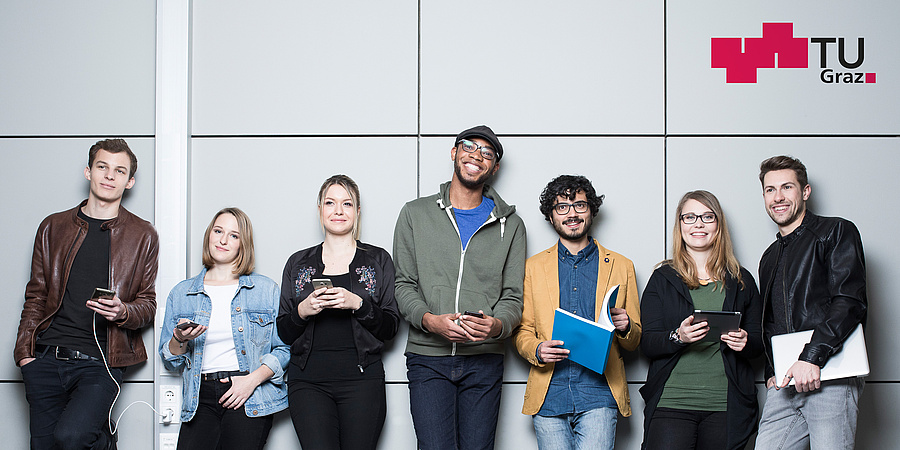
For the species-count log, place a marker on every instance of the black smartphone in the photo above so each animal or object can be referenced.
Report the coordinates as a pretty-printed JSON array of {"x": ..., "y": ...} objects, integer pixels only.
[
  {"x": 186, "y": 325},
  {"x": 102, "y": 292},
  {"x": 474, "y": 314}
]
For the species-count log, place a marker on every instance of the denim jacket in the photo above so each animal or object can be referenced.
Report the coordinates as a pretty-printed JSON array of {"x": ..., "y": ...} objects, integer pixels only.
[{"x": 254, "y": 308}]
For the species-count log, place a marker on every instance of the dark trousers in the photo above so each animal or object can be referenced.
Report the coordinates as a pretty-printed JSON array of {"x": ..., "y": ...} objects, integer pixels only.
[
  {"x": 335, "y": 415},
  {"x": 683, "y": 429},
  {"x": 455, "y": 400},
  {"x": 69, "y": 403},
  {"x": 214, "y": 427}
]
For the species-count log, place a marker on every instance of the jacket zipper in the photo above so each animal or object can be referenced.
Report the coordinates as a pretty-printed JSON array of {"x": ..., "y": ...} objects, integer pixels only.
[{"x": 462, "y": 257}]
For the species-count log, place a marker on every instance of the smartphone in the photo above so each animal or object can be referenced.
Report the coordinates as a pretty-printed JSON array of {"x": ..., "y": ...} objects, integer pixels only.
[
  {"x": 319, "y": 283},
  {"x": 474, "y": 314},
  {"x": 186, "y": 325},
  {"x": 102, "y": 292}
]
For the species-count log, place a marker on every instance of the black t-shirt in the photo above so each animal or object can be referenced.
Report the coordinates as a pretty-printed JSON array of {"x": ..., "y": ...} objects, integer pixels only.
[
  {"x": 71, "y": 326},
  {"x": 333, "y": 355}
]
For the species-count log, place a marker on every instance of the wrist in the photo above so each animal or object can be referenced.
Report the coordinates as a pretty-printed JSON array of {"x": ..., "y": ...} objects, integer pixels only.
[{"x": 675, "y": 336}]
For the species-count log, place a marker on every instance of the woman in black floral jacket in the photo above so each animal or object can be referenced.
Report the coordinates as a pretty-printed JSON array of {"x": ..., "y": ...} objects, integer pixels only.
[{"x": 337, "y": 310}]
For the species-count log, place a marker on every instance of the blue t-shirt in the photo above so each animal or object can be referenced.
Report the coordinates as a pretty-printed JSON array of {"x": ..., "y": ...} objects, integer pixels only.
[{"x": 469, "y": 220}]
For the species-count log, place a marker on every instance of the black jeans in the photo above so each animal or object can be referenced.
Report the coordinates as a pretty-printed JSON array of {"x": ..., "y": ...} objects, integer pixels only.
[
  {"x": 677, "y": 429},
  {"x": 69, "y": 403},
  {"x": 214, "y": 427},
  {"x": 334, "y": 415}
]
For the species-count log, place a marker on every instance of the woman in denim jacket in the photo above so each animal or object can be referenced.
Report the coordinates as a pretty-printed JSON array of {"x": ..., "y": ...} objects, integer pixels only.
[{"x": 223, "y": 341}]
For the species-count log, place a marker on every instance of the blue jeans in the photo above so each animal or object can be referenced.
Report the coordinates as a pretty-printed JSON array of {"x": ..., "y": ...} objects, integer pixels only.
[
  {"x": 455, "y": 400},
  {"x": 589, "y": 430},
  {"x": 69, "y": 403},
  {"x": 821, "y": 419}
]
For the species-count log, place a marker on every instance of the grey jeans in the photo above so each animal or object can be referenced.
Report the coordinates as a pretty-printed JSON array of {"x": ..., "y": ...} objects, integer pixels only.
[{"x": 819, "y": 420}]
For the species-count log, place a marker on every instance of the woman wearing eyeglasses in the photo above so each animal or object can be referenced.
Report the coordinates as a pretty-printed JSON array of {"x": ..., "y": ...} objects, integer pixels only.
[
  {"x": 699, "y": 392},
  {"x": 337, "y": 310}
]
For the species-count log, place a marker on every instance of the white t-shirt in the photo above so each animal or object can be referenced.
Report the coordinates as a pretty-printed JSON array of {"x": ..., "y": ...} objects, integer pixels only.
[{"x": 218, "y": 350}]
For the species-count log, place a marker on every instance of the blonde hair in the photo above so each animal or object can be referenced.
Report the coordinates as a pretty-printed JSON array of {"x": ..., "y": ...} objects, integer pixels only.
[
  {"x": 246, "y": 260},
  {"x": 721, "y": 262},
  {"x": 352, "y": 189}
]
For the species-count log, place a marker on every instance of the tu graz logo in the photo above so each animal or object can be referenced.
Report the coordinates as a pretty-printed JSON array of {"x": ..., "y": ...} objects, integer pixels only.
[{"x": 778, "y": 48}]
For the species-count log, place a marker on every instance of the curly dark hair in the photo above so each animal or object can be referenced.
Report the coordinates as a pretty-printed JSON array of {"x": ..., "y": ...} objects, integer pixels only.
[{"x": 569, "y": 186}]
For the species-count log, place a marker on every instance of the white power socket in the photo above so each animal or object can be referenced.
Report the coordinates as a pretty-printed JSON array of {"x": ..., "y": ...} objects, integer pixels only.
[
  {"x": 169, "y": 404},
  {"x": 168, "y": 441}
]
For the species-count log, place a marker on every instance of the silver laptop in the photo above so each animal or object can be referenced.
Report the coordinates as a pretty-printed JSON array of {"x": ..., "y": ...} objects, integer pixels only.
[{"x": 851, "y": 361}]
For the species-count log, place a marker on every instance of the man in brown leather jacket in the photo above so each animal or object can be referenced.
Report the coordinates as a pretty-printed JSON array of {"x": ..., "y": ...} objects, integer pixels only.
[
  {"x": 813, "y": 277},
  {"x": 69, "y": 331}
]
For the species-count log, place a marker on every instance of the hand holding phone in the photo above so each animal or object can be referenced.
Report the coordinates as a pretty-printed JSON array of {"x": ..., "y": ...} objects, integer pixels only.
[{"x": 186, "y": 325}]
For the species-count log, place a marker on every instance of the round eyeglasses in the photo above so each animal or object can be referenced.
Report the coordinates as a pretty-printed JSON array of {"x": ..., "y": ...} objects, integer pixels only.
[
  {"x": 471, "y": 147},
  {"x": 691, "y": 218}
]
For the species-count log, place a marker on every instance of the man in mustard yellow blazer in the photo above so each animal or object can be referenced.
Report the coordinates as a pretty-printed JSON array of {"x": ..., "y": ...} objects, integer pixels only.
[{"x": 574, "y": 407}]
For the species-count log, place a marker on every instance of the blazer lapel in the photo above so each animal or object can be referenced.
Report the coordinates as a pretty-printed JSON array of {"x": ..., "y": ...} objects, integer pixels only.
[
  {"x": 604, "y": 271},
  {"x": 551, "y": 274}
]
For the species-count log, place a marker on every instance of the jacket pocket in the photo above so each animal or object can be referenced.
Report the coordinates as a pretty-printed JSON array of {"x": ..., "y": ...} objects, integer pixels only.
[
  {"x": 262, "y": 325},
  {"x": 474, "y": 301}
]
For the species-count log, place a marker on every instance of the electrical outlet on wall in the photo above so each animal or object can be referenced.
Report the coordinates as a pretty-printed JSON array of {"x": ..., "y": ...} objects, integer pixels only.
[
  {"x": 169, "y": 403},
  {"x": 168, "y": 441}
]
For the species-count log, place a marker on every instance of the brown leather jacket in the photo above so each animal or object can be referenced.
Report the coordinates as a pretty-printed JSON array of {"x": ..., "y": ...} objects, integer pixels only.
[{"x": 134, "y": 251}]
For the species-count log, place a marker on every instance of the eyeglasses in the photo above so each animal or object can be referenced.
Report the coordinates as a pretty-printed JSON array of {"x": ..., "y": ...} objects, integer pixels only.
[
  {"x": 563, "y": 208},
  {"x": 691, "y": 218},
  {"x": 471, "y": 147}
]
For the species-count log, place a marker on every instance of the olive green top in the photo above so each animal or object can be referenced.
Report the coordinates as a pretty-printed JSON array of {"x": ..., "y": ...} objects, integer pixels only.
[{"x": 698, "y": 380}]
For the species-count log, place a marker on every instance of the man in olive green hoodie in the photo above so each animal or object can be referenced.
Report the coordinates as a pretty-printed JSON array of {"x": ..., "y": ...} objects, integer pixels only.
[{"x": 460, "y": 261}]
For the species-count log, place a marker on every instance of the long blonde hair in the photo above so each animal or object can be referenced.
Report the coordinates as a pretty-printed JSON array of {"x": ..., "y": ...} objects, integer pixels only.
[{"x": 721, "y": 262}]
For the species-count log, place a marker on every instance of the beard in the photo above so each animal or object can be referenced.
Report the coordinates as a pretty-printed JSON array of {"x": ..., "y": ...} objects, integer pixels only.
[
  {"x": 468, "y": 183},
  {"x": 572, "y": 235}
]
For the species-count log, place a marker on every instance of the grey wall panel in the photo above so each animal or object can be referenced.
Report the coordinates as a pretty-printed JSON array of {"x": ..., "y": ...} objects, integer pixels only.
[
  {"x": 839, "y": 170},
  {"x": 629, "y": 171},
  {"x": 82, "y": 68},
  {"x": 53, "y": 180},
  {"x": 304, "y": 67},
  {"x": 699, "y": 99},
  {"x": 537, "y": 67},
  {"x": 276, "y": 181}
]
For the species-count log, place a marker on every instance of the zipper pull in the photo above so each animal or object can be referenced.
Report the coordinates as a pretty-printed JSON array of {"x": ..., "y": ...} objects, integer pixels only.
[{"x": 360, "y": 368}]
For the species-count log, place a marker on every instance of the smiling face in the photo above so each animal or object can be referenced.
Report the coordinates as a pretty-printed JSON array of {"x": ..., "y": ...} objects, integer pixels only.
[
  {"x": 471, "y": 169},
  {"x": 225, "y": 240},
  {"x": 785, "y": 199},
  {"x": 572, "y": 226},
  {"x": 698, "y": 236},
  {"x": 338, "y": 211},
  {"x": 109, "y": 176}
]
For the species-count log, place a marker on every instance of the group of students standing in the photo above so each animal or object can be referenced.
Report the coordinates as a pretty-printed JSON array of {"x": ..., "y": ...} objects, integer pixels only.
[
  {"x": 248, "y": 349},
  {"x": 699, "y": 392}
]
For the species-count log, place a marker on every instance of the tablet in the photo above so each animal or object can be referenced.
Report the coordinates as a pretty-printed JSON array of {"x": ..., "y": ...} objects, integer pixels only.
[{"x": 719, "y": 322}]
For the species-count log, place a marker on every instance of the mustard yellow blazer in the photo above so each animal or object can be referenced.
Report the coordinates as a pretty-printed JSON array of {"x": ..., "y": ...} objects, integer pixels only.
[{"x": 542, "y": 299}]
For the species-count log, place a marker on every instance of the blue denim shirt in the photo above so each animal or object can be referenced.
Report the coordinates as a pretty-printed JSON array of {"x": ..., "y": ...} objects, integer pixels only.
[
  {"x": 573, "y": 388},
  {"x": 253, "y": 312}
]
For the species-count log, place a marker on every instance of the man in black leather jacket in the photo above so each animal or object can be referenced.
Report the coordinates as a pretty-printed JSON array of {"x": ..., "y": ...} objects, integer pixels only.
[{"x": 813, "y": 277}]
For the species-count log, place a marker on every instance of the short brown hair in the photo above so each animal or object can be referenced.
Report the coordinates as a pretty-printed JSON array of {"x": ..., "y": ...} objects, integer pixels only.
[
  {"x": 113, "y": 146},
  {"x": 781, "y": 163},
  {"x": 246, "y": 260},
  {"x": 350, "y": 186}
]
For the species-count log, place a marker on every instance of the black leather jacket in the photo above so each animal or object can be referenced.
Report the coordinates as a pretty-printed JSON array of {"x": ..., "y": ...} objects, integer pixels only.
[{"x": 824, "y": 285}]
